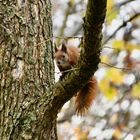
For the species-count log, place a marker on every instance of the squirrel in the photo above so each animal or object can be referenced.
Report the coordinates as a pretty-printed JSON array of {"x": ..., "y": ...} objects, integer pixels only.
[{"x": 66, "y": 58}]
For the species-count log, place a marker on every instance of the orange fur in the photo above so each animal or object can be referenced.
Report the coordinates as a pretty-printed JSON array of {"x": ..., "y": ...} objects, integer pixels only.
[
  {"x": 72, "y": 54},
  {"x": 86, "y": 96},
  {"x": 66, "y": 57}
]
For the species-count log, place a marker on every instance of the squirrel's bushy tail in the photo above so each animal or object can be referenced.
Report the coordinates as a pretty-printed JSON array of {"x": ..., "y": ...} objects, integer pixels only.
[{"x": 86, "y": 96}]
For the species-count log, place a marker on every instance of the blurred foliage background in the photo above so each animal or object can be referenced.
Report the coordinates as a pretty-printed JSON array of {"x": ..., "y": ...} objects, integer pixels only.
[{"x": 115, "y": 114}]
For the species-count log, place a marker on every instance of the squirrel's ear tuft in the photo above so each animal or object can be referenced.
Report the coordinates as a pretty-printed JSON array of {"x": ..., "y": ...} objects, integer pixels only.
[
  {"x": 56, "y": 49},
  {"x": 64, "y": 48}
]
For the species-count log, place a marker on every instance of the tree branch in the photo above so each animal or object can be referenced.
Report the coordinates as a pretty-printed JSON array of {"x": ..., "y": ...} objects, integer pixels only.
[
  {"x": 121, "y": 26},
  {"x": 89, "y": 58}
]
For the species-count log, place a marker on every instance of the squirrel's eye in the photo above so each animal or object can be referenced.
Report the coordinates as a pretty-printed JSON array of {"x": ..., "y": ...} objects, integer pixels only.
[
  {"x": 58, "y": 62},
  {"x": 63, "y": 56}
]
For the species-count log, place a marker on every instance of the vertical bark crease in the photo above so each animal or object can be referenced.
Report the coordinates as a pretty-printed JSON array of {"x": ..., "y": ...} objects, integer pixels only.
[{"x": 26, "y": 67}]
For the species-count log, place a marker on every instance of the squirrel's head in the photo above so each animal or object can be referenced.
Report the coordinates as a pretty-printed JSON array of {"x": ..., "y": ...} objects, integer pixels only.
[{"x": 61, "y": 57}]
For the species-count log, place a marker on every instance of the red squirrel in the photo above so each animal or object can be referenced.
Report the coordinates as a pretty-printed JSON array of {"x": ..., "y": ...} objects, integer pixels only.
[{"x": 65, "y": 58}]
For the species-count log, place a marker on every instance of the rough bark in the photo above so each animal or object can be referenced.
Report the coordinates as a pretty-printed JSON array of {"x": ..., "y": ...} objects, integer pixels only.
[{"x": 26, "y": 70}]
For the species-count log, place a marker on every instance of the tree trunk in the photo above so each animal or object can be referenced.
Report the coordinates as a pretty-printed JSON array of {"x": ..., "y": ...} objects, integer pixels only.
[{"x": 26, "y": 70}]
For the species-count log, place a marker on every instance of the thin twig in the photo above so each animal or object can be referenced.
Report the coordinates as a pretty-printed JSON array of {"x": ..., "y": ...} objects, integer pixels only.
[
  {"x": 68, "y": 37},
  {"x": 100, "y": 62},
  {"x": 121, "y": 26},
  {"x": 114, "y": 66},
  {"x": 72, "y": 69},
  {"x": 67, "y": 13},
  {"x": 108, "y": 47}
]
